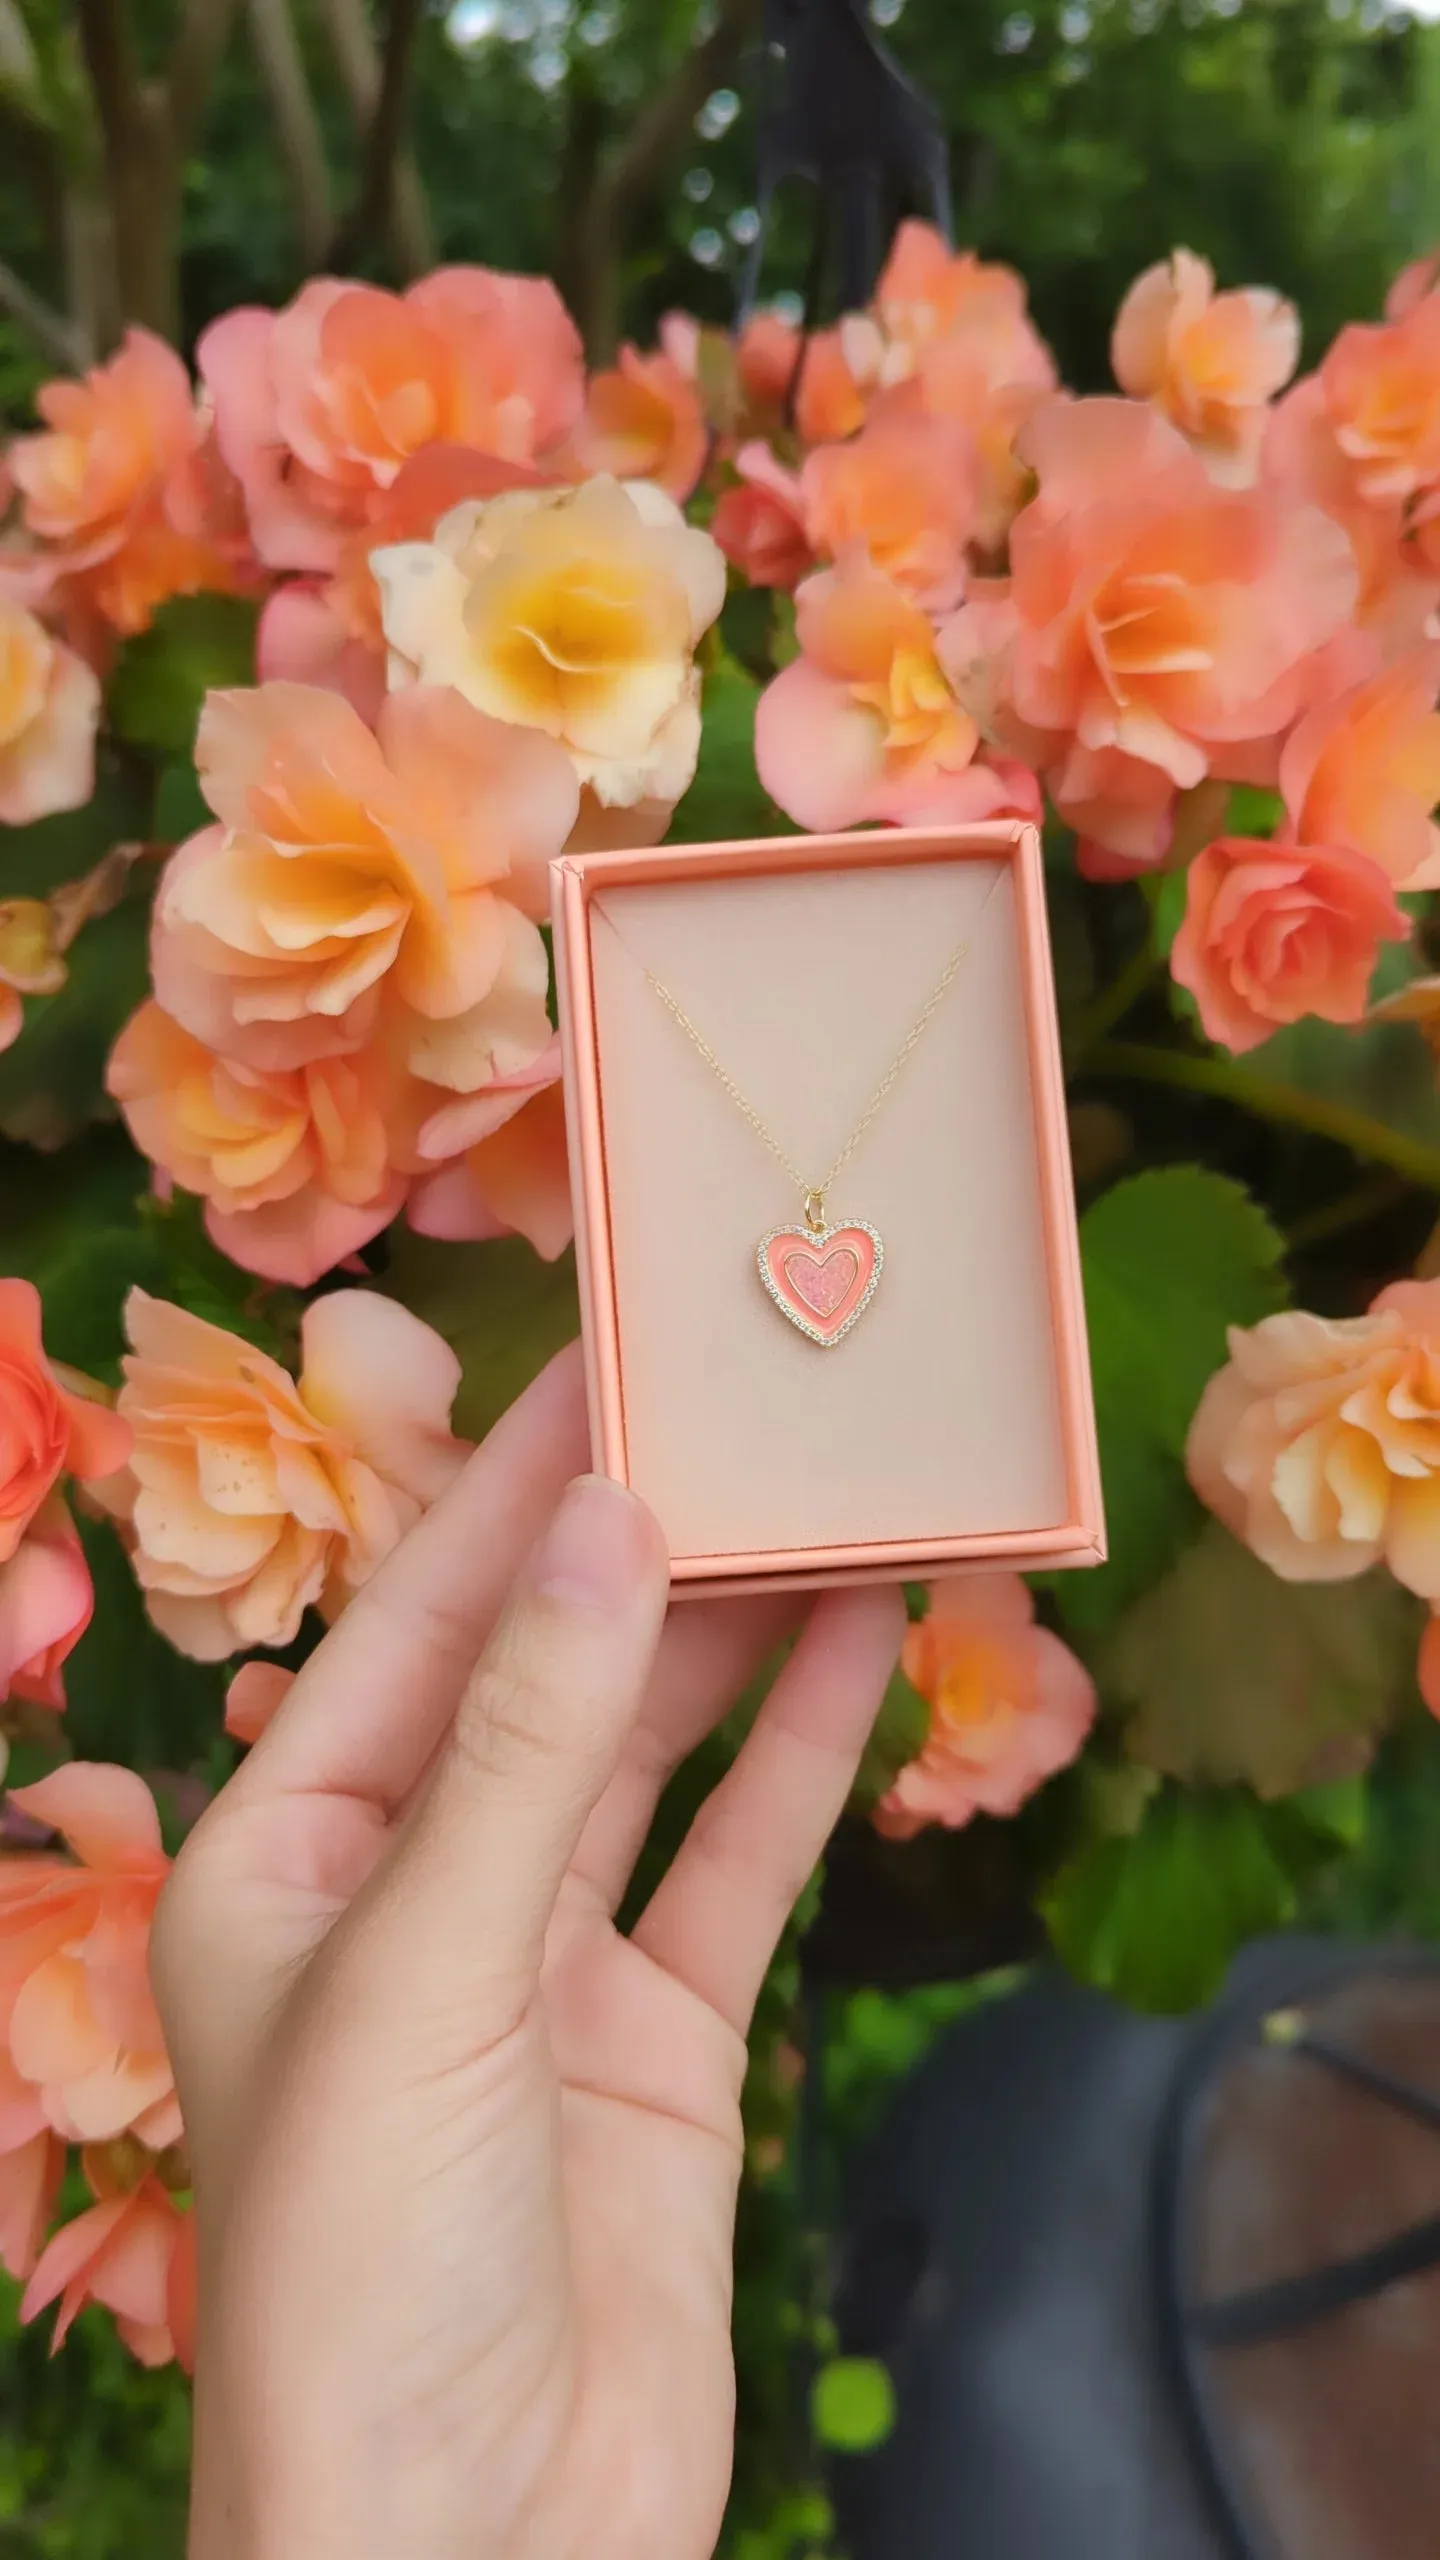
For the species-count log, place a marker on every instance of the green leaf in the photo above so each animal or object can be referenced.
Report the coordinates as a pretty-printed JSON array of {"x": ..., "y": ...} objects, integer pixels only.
[
  {"x": 1233, "y": 1675},
  {"x": 1170, "y": 1259},
  {"x": 130, "y": 1695},
  {"x": 852, "y": 2404},
  {"x": 180, "y": 805},
  {"x": 1381, "y": 1068},
  {"x": 1156, "y": 1915},
  {"x": 503, "y": 1310},
  {"x": 1252, "y": 811},
  {"x": 38, "y": 858},
  {"x": 726, "y": 798},
  {"x": 161, "y": 677},
  {"x": 52, "y": 1080}
]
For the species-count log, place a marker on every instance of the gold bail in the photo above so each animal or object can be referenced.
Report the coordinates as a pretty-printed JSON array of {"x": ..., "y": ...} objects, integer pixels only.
[{"x": 815, "y": 1212}]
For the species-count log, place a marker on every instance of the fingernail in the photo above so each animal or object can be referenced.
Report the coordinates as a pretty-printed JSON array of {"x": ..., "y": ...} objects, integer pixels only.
[{"x": 598, "y": 1546}]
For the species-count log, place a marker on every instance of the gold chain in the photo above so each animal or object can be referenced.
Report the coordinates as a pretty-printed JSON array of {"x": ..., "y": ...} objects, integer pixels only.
[{"x": 815, "y": 1191}]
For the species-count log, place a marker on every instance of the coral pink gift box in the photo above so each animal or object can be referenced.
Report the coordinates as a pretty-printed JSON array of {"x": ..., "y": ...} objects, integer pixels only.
[{"x": 948, "y": 1423}]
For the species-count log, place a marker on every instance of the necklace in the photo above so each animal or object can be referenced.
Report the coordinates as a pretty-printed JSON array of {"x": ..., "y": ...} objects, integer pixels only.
[{"x": 822, "y": 1273}]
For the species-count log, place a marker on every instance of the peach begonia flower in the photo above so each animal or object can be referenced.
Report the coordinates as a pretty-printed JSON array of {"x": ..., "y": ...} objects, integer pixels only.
[
  {"x": 1381, "y": 387},
  {"x": 50, "y": 1423},
  {"x": 1273, "y": 932},
  {"x": 32, "y": 2167},
  {"x": 318, "y": 407},
  {"x": 1157, "y": 617},
  {"x": 766, "y": 354},
  {"x": 1413, "y": 283},
  {"x": 253, "y": 1697},
  {"x": 251, "y": 1496},
  {"x": 49, "y": 713},
  {"x": 760, "y": 526},
  {"x": 643, "y": 420},
  {"x": 1009, "y": 1705},
  {"x": 1212, "y": 363},
  {"x": 496, "y": 1164},
  {"x": 864, "y": 724},
  {"x": 927, "y": 290},
  {"x": 1301, "y": 458},
  {"x": 328, "y": 631},
  {"x": 1363, "y": 768},
  {"x": 1427, "y": 1667},
  {"x": 132, "y": 2251},
  {"x": 81, "y": 2047},
  {"x": 300, "y": 1167},
  {"x": 109, "y": 485},
  {"x": 1319, "y": 1442},
  {"x": 829, "y": 403},
  {"x": 573, "y": 612},
  {"x": 46, "y": 1603},
  {"x": 356, "y": 878},
  {"x": 904, "y": 492}
]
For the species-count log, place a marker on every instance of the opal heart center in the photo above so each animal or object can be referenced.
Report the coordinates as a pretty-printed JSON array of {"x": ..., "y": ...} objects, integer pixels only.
[
  {"x": 823, "y": 1284},
  {"x": 821, "y": 1279}
]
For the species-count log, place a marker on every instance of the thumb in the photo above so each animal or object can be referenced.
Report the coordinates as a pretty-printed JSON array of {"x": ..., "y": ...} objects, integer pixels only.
[{"x": 474, "y": 1875}]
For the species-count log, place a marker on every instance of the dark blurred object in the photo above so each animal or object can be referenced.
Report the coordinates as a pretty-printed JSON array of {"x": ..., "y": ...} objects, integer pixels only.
[
  {"x": 1156, "y": 2289},
  {"x": 839, "y": 111}
]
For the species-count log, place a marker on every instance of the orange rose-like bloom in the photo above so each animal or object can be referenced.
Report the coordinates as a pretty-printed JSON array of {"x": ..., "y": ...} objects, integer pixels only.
[
  {"x": 760, "y": 526},
  {"x": 46, "y": 1603},
  {"x": 356, "y": 877},
  {"x": 904, "y": 493},
  {"x": 1009, "y": 1705},
  {"x": 319, "y": 407},
  {"x": 1319, "y": 1443},
  {"x": 295, "y": 1166},
  {"x": 81, "y": 2048},
  {"x": 133, "y": 2252},
  {"x": 644, "y": 421},
  {"x": 251, "y": 1496},
  {"x": 1212, "y": 362},
  {"x": 31, "y": 2170},
  {"x": 49, "y": 713},
  {"x": 1159, "y": 618},
  {"x": 864, "y": 724},
  {"x": 112, "y": 485},
  {"x": 575, "y": 612},
  {"x": 1363, "y": 768},
  {"x": 46, "y": 1429},
  {"x": 1381, "y": 385},
  {"x": 1276, "y": 931}
]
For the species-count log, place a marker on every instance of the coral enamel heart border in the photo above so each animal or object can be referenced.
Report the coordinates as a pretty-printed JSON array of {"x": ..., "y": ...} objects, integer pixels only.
[{"x": 840, "y": 1228}]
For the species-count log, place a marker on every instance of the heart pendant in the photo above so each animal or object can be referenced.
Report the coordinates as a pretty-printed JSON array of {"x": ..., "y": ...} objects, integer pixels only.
[{"x": 822, "y": 1278}]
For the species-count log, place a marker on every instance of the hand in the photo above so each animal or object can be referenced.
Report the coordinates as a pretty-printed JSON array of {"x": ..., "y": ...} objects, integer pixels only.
[{"x": 465, "y": 2157}]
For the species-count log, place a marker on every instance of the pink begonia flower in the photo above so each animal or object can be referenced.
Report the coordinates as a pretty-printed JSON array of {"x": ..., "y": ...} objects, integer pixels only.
[
  {"x": 500, "y": 1165},
  {"x": 319, "y": 407},
  {"x": 251, "y": 1496},
  {"x": 46, "y": 1603},
  {"x": 865, "y": 724},
  {"x": 1273, "y": 932},
  {"x": 133, "y": 2252},
  {"x": 51, "y": 1422},
  {"x": 904, "y": 492},
  {"x": 328, "y": 631},
  {"x": 1160, "y": 623},
  {"x": 766, "y": 354},
  {"x": 49, "y": 713},
  {"x": 81, "y": 2047},
  {"x": 1212, "y": 363},
  {"x": 120, "y": 489},
  {"x": 31, "y": 2169},
  {"x": 1381, "y": 388},
  {"x": 1009, "y": 1705},
  {"x": 253, "y": 1697},
  {"x": 643, "y": 421},
  {"x": 1302, "y": 459},
  {"x": 1318, "y": 1444},
  {"x": 760, "y": 526},
  {"x": 572, "y": 612},
  {"x": 1363, "y": 768},
  {"x": 1412, "y": 284},
  {"x": 358, "y": 878}
]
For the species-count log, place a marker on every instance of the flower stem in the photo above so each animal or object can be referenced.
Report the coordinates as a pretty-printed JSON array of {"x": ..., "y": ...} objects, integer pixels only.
[
  {"x": 1287, "y": 1104},
  {"x": 1113, "y": 1003}
]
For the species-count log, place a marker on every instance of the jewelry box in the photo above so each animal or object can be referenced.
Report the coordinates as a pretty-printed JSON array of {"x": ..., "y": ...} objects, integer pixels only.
[{"x": 883, "y": 1376}]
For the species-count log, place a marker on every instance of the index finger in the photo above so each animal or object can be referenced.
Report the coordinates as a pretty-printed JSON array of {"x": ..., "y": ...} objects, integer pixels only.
[{"x": 366, "y": 1713}]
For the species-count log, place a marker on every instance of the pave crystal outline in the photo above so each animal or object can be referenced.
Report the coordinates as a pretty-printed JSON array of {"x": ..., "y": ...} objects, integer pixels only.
[{"x": 826, "y": 1235}]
